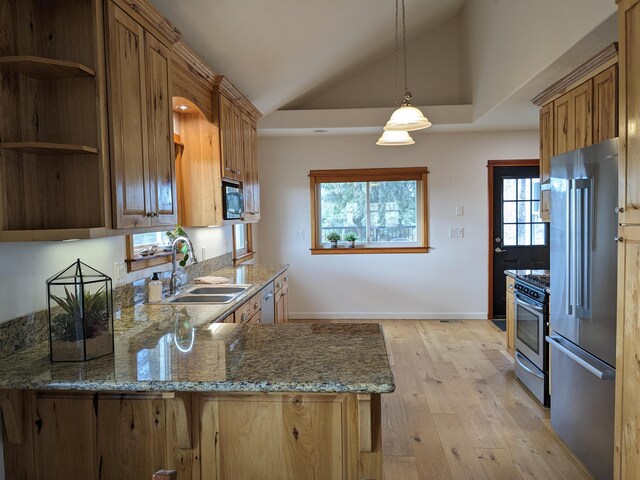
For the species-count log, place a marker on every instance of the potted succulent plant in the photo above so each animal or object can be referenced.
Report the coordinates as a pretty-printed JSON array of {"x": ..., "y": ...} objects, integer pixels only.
[
  {"x": 333, "y": 237},
  {"x": 351, "y": 238}
]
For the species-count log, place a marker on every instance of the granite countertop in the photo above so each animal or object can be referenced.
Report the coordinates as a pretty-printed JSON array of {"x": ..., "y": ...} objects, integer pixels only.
[
  {"x": 517, "y": 273},
  {"x": 162, "y": 347}
]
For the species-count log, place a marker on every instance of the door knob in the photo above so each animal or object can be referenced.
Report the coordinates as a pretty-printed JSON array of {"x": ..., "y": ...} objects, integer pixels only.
[{"x": 499, "y": 250}]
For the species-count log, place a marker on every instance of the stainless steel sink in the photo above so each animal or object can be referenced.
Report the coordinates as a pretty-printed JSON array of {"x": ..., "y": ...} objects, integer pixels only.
[
  {"x": 221, "y": 290},
  {"x": 189, "y": 298}
]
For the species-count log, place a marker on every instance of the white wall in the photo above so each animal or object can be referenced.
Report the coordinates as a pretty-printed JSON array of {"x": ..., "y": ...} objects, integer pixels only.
[
  {"x": 448, "y": 282},
  {"x": 26, "y": 266}
]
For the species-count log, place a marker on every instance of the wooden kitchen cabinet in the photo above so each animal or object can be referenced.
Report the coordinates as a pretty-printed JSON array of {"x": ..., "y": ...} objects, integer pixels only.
[
  {"x": 281, "y": 289},
  {"x": 251, "y": 182},
  {"x": 605, "y": 105},
  {"x": 54, "y": 153},
  {"x": 141, "y": 133},
  {"x": 575, "y": 112},
  {"x": 231, "y": 148},
  {"x": 627, "y": 409},
  {"x": 511, "y": 313}
]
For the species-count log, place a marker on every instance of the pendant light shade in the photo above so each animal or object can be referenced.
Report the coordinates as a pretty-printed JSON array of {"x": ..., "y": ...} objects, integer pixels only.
[
  {"x": 407, "y": 118},
  {"x": 395, "y": 137}
]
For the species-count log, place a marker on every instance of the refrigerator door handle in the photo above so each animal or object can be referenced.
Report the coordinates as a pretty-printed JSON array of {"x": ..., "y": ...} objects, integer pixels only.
[
  {"x": 604, "y": 373},
  {"x": 519, "y": 358},
  {"x": 569, "y": 263},
  {"x": 582, "y": 238}
]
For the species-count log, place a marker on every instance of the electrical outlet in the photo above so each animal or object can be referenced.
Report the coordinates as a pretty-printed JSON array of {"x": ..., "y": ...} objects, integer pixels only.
[
  {"x": 203, "y": 253},
  {"x": 119, "y": 271},
  {"x": 300, "y": 234},
  {"x": 456, "y": 232}
]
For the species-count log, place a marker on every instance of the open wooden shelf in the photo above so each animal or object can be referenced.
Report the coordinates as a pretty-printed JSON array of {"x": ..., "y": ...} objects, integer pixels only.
[
  {"x": 44, "y": 148},
  {"x": 42, "y": 68}
]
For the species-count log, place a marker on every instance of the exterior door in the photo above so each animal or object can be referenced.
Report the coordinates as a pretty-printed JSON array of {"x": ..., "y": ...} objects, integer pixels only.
[{"x": 520, "y": 239}]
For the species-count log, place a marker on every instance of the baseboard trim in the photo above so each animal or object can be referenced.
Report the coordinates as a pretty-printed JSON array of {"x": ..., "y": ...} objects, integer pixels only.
[{"x": 386, "y": 316}]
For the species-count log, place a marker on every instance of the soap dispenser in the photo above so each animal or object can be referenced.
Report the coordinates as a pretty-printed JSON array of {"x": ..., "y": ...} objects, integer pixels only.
[{"x": 155, "y": 288}]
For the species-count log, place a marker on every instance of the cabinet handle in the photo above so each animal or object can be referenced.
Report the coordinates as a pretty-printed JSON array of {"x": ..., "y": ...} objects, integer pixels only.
[
  {"x": 148, "y": 214},
  {"x": 255, "y": 305},
  {"x": 277, "y": 285},
  {"x": 286, "y": 279},
  {"x": 618, "y": 239},
  {"x": 619, "y": 210},
  {"x": 154, "y": 214},
  {"x": 243, "y": 317}
]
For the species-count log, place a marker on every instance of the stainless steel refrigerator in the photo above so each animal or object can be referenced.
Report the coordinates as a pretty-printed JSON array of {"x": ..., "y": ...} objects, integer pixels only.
[{"x": 582, "y": 313}]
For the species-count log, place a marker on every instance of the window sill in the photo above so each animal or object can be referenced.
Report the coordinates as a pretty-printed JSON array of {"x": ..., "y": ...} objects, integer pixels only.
[
  {"x": 243, "y": 258},
  {"x": 366, "y": 250}
]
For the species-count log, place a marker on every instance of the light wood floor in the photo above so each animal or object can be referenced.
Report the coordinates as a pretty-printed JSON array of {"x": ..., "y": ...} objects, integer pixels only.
[{"x": 458, "y": 411}]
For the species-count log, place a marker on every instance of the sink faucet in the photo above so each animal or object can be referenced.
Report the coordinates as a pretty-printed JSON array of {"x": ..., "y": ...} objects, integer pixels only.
[{"x": 173, "y": 285}]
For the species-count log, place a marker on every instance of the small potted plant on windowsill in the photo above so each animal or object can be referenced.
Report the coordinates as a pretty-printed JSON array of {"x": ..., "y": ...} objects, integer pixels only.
[
  {"x": 333, "y": 237},
  {"x": 351, "y": 238}
]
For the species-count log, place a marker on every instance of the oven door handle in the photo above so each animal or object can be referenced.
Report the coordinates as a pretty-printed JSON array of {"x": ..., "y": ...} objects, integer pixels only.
[
  {"x": 519, "y": 300},
  {"x": 519, "y": 358}
]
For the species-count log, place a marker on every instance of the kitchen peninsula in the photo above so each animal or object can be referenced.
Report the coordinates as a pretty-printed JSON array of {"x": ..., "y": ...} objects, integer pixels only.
[{"x": 212, "y": 400}]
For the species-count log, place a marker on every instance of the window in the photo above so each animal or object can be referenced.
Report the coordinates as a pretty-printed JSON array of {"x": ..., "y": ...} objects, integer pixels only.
[
  {"x": 521, "y": 222},
  {"x": 385, "y": 209},
  {"x": 242, "y": 243},
  {"x": 146, "y": 250}
]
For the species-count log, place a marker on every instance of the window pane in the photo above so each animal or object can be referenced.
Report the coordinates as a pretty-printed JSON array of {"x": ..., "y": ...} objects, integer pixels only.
[
  {"x": 509, "y": 212},
  {"x": 240, "y": 232},
  {"x": 524, "y": 234},
  {"x": 524, "y": 189},
  {"x": 343, "y": 209},
  {"x": 393, "y": 211},
  {"x": 142, "y": 241},
  {"x": 539, "y": 233},
  {"x": 524, "y": 212},
  {"x": 509, "y": 236},
  {"x": 509, "y": 189},
  {"x": 535, "y": 188}
]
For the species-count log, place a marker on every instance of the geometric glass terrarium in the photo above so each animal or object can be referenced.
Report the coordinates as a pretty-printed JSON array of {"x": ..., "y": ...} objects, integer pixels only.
[{"x": 80, "y": 307}]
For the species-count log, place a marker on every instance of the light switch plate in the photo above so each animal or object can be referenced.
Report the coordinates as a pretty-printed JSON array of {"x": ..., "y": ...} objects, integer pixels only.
[
  {"x": 300, "y": 234},
  {"x": 119, "y": 272},
  {"x": 456, "y": 232},
  {"x": 459, "y": 211}
]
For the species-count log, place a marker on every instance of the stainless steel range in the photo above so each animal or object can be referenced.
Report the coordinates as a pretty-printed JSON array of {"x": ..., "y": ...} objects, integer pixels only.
[{"x": 531, "y": 328}]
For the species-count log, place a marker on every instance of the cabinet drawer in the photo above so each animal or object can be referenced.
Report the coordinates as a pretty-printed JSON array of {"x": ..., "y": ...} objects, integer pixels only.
[
  {"x": 285, "y": 278},
  {"x": 277, "y": 283},
  {"x": 248, "y": 309},
  {"x": 257, "y": 317}
]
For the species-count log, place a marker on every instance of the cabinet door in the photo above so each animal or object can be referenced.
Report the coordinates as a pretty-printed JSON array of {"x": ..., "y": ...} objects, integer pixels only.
[
  {"x": 546, "y": 152},
  {"x": 251, "y": 187},
  {"x": 605, "y": 105},
  {"x": 627, "y": 423},
  {"x": 65, "y": 437},
  {"x": 563, "y": 136},
  {"x": 273, "y": 437},
  {"x": 285, "y": 303},
  {"x": 162, "y": 178},
  {"x": 582, "y": 111},
  {"x": 629, "y": 63},
  {"x": 279, "y": 306},
  {"x": 128, "y": 120},
  {"x": 230, "y": 139}
]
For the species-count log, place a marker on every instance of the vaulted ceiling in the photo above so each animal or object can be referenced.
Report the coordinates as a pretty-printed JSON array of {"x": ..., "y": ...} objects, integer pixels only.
[{"x": 473, "y": 64}]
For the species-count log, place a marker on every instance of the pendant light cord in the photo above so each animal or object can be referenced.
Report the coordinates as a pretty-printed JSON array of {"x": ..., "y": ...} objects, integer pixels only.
[
  {"x": 395, "y": 81},
  {"x": 404, "y": 51}
]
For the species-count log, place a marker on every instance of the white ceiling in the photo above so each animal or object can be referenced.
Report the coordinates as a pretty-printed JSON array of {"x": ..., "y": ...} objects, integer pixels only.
[
  {"x": 277, "y": 50},
  {"x": 298, "y": 55}
]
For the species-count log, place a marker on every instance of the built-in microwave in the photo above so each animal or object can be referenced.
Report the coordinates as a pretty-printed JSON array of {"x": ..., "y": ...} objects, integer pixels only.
[{"x": 232, "y": 201}]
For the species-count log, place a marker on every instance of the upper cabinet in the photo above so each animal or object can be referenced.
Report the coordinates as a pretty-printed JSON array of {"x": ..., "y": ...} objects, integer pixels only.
[
  {"x": 140, "y": 119},
  {"x": 251, "y": 183},
  {"x": 231, "y": 139},
  {"x": 54, "y": 182},
  {"x": 575, "y": 112}
]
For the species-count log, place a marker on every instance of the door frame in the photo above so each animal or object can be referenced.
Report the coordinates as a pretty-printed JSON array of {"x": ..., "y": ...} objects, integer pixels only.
[{"x": 491, "y": 164}]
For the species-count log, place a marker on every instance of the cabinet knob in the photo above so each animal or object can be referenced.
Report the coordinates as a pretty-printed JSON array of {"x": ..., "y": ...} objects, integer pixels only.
[
  {"x": 149, "y": 214},
  {"x": 255, "y": 305},
  {"x": 243, "y": 317},
  {"x": 619, "y": 209},
  {"x": 286, "y": 279},
  {"x": 618, "y": 239}
]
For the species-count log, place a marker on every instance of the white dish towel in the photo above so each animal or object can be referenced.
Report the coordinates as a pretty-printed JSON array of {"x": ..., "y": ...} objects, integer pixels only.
[{"x": 210, "y": 280}]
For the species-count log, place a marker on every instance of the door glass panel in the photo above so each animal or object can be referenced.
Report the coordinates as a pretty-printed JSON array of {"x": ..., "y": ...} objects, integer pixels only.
[
  {"x": 524, "y": 189},
  {"x": 509, "y": 189},
  {"x": 521, "y": 221}
]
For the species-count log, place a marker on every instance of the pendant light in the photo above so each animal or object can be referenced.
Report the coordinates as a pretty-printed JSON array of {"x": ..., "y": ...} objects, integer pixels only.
[
  {"x": 406, "y": 117},
  {"x": 395, "y": 137}
]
